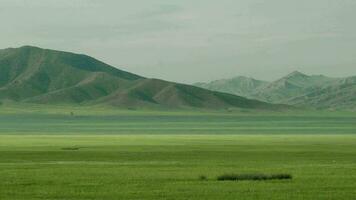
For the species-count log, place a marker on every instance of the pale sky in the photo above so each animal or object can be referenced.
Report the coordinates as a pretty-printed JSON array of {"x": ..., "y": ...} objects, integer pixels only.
[{"x": 192, "y": 40}]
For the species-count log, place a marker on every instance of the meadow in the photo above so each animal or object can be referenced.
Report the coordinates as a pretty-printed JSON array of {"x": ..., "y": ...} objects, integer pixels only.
[{"x": 81, "y": 153}]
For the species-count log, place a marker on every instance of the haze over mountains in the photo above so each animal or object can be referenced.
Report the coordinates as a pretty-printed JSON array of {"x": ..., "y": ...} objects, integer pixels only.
[
  {"x": 35, "y": 75},
  {"x": 316, "y": 91}
]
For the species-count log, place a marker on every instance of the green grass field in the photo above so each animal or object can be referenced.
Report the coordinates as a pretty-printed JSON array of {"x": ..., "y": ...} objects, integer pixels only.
[{"x": 112, "y": 154}]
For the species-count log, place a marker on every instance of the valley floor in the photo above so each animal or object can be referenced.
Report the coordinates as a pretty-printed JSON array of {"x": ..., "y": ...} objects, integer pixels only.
[{"x": 145, "y": 155}]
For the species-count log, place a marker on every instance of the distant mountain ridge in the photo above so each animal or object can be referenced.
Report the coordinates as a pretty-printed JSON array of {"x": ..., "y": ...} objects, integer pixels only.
[
  {"x": 339, "y": 94},
  {"x": 240, "y": 85},
  {"x": 296, "y": 88},
  {"x": 35, "y": 75}
]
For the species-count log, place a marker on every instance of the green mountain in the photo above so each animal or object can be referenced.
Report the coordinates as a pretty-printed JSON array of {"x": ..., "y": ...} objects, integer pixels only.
[
  {"x": 39, "y": 75},
  {"x": 316, "y": 91},
  {"x": 34, "y": 75}
]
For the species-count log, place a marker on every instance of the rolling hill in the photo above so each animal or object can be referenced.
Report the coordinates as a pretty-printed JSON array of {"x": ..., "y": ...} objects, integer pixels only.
[
  {"x": 298, "y": 89},
  {"x": 35, "y": 75}
]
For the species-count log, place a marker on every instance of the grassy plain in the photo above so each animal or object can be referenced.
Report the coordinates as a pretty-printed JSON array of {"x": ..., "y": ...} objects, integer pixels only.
[{"x": 47, "y": 153}]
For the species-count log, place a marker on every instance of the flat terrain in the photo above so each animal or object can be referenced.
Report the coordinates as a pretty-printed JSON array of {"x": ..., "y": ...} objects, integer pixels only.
[{"x": 98, "y": 154}]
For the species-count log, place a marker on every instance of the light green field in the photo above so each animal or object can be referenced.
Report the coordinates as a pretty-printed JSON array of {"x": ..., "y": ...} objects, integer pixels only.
[{"x": 99, "y": 154}]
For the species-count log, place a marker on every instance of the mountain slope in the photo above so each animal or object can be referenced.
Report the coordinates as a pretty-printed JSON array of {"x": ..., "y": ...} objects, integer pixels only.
[
  {"x": 31, "y": 74},
  {"x": 158, "y": 92}
]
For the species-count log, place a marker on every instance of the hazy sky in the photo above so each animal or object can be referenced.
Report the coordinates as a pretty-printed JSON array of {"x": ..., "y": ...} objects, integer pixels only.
[{"x": 192, "y": 40}]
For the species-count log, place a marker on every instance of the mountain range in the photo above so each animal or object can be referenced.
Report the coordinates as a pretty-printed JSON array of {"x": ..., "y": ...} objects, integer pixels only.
[
  {"x": 34, "y": 75},
  {"x": 297, "y": 89}
]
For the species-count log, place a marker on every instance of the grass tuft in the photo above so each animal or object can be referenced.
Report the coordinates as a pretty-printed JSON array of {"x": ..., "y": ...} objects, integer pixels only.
[{"x": 253, "y": 177}]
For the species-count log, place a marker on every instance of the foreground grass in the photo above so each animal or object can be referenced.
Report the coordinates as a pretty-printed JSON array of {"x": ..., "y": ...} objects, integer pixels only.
[
  {"x": 168, "y": 166},
  {"x": 47, "y": 153}
]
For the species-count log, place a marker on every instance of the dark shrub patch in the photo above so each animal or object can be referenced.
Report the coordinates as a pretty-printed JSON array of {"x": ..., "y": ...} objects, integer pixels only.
[
  {"x": 253, "y": 177},
  {"x": 281, "y": 176},
  {"x": 203, "y": 178},
  {"x": 70, "y": 149}
]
